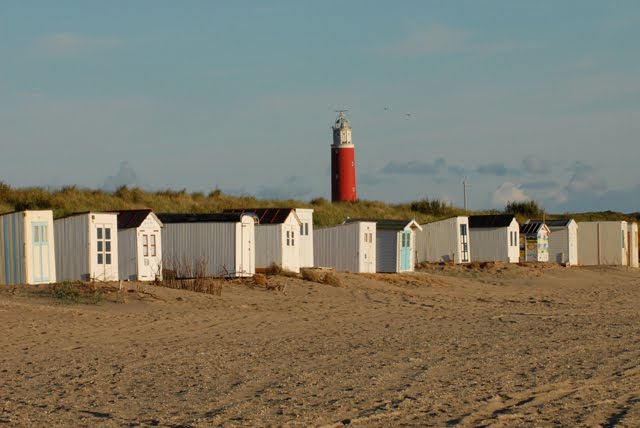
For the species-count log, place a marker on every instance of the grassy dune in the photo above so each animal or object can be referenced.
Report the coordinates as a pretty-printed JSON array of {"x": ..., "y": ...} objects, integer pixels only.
[{"x": 72, "y": 199}]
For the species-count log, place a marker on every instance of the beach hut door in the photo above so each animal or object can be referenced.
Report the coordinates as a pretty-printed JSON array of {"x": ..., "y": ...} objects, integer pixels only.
[
  {"x": 405, "y": 251},
  {"x": 104, "y": 260},
  {"x": 40, "y": 249},
  {"x": 246, "y": 265},
  {"x": 367, "y": 253},
  {"x": 150, "y": 266},
  {"x": 464, "y": 238}
]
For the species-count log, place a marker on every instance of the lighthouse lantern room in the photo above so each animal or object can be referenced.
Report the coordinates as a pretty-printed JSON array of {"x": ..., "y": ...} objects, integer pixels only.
[{"x": 343, "y": 164}]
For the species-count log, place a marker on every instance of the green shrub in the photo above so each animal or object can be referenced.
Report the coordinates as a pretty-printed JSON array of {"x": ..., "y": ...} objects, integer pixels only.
[
  {"x": 434, "y": 207},
  {"x": 66, "y": 291},
  {"x": 529, "y": 209}
]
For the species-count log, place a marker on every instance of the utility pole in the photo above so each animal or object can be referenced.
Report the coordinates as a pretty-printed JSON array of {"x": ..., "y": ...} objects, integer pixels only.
[{"x": 464, "y": 191}]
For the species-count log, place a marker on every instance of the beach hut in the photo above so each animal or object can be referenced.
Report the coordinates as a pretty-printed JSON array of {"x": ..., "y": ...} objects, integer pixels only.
[
  {"x": 139, "y": 245},
  {"x": 563, "y": 241},
  {"x": 534, "y": 242},
  {"x": 444, "y": 241},
  {"x": 209, "y": 244},
  {"x": 395, "y": 244},
  {"x": 632, "y": 239},
  {"x": 348, "y": 247},
  {"x": 602, "y": 243},
  {"x": 27, "y": 250},
  {"x": 277, "y": 237},
  {"x": 306, "y": 245},
  {"x": 494, "y": 238},
  {"x": 87, "y": 247}
]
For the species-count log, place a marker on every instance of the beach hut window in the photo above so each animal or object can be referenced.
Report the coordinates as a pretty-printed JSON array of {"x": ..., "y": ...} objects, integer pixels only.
[
  {"x": 145, "y": 245},
  {"x": 153, "y": 245},
  {"x": 288, "y": 239},
  {"x": 293, "y": 243},
  {"x": 103, "y": 244}
]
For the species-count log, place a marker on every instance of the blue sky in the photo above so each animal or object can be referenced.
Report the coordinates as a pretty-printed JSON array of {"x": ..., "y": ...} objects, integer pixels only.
[{"x": 523, "y": 100}]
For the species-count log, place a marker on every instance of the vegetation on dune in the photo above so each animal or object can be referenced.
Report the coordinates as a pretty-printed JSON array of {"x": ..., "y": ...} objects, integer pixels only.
[
  {"x": 529, "y": 209},
  {"x": 532, "y": 210},
  {"x": 71, "y": 199}
]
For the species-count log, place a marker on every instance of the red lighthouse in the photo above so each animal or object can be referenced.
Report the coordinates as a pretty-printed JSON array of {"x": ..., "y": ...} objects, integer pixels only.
[{"x": 343, "y": 162}]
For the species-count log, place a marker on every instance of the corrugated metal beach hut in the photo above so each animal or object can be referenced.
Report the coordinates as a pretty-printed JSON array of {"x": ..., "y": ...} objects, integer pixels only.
[
  {"x": 443, "y": 241},
  {"x": 87, "y": 247},
  {"x": 224, "y": 244},
  {"x": 139, "y": 245},
  {"x": 277, "y": 237},
  {"x": 534, "y": 242},
  {"x": 395, "y": 244},
  {"x": 602, "y": 243},
  {"x": 348, "y": 247},
  {"x": 563, "y": 241},
  {"x": 27, "y": 250},
  {"x": 632, "y": 238},
  {"x": 494, "y": 238}
]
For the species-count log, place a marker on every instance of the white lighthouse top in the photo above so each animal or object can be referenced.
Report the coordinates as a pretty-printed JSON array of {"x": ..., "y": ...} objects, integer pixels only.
[
  {"x": 342, "y": 122},
  {"x": 342, "y": 132}
]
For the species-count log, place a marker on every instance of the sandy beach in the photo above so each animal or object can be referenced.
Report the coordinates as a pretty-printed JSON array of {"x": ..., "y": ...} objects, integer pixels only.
[{"x": 498, "y": 346}]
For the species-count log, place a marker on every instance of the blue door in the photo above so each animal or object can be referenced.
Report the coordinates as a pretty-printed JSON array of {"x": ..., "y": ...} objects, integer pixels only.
[
  {"x": 40, "y": 252},
  {"x": 405, "y": 251}
]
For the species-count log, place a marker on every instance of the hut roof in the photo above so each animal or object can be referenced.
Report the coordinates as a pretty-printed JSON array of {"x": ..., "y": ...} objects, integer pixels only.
[
  {"x": 203, "y": 218},
  {"x": 497, "y": 220},
  {"x": 267, "y": 215},
  {"x": 128, "y": 219}
]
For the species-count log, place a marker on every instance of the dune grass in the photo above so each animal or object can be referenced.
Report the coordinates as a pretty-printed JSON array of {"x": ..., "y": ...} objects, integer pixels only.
[{"x": 71, "y": 199}]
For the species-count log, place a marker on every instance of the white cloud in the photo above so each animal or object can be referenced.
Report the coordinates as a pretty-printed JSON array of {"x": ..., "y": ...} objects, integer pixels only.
[
  {"x": 508, "y": 192},
  {"x": 71, "y": 43}
]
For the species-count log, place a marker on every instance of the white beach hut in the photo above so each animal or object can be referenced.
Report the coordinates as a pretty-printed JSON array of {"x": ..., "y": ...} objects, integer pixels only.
[
  {"x": 443, "y": 241},
  {"x": 87, "y": 247},
  {"x": 139, "y": 245},
  {"x": 534, "y": 242},
  {"x": 602, "y": 243},
  {"x": 277, "y": 237},
  {"x": 223, "y": 244},
  {"x": 494, "y": 238},
  {"x": 632, "y": 239},
  {"x": 349, "y": 247},
  {"x": 563, "y": 241},
  {"x": 27, "y": 250},
  {"x": 395, "y": 244}
]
